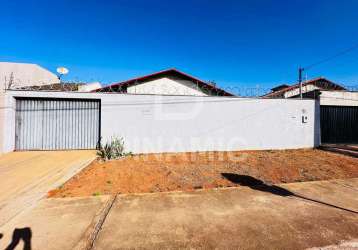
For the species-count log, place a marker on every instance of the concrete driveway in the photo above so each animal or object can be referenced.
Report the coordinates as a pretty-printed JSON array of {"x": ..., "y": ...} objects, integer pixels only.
[{"x": 26, "y": 177}]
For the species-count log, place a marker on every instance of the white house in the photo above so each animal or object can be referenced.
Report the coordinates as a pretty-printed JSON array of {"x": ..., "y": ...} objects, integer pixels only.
[
  {"x": 57, "y": 120},
  {"x": 166, "y": 82},
  {"x": 200, "y": 119}
]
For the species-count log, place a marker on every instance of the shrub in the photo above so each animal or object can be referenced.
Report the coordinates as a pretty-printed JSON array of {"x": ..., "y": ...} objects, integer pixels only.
[
  {"x": 112, "y": 150},
  {"x": 117, "y": 147}
]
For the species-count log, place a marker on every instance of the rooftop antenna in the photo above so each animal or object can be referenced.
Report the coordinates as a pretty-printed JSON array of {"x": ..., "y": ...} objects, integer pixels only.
[{"x": 61, "y": 71}]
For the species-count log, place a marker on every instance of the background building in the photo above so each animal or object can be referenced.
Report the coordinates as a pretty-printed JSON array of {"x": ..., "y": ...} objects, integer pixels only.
[{"x": 17, "y": 75}]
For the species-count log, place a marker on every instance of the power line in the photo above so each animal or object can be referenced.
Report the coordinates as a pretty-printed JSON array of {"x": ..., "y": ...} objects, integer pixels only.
[
  {"x": 343, "y": 52},
  {"x": 301, "y": 69}
]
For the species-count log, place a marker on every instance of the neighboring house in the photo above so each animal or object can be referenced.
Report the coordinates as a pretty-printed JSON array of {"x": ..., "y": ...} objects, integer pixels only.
[
  {"x": 338, "y": 107},
  {"x": 309, "y": 89},
  {"x": 339, "y": 116},
  {"x": 166, "y": 82},
  {"x": 17, "y": 75},
  {"x": 338, "y": 98}
]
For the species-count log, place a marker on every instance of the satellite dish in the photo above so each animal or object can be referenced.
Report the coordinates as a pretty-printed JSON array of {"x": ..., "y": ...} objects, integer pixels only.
[{"x": 62, "y": 70}]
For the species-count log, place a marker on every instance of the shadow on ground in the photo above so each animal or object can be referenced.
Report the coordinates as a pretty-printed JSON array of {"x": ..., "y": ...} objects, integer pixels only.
[
  {"x": 253, "y": 183},
  {"x": 256, "y": 184},
  {"x": 24, "y": 234}
]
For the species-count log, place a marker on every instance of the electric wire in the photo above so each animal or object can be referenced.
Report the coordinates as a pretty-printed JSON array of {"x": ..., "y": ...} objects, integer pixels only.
[{"x": 341, "y": 53}]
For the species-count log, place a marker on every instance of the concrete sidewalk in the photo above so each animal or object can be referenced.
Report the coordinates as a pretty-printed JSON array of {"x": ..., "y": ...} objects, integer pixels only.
[
  {"x": 235, "y": 218},
  {"x": 291, "y": 216},
  {"x": 26, "y": 177},
  {"x": 56, "y": 223}
]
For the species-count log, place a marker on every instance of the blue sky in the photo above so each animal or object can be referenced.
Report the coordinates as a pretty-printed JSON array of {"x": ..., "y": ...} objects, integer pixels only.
[{"x": 235, "y": 43}]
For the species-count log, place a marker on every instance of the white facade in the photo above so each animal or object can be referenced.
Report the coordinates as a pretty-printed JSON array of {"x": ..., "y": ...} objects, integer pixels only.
[
  {"x": 24, "y": 74},
  {"x": 167, "y": 86},
  {"x": 150, "y": 124},
  {"x": 339, "y": 98}
]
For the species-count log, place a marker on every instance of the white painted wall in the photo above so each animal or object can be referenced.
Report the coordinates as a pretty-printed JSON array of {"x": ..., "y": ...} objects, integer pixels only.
[
  {"x": 25, "y": 74},
  {"x": 167, "y": 86},
  {"x": 339, "y": 98},
  {"x": 182, "y": 123}
]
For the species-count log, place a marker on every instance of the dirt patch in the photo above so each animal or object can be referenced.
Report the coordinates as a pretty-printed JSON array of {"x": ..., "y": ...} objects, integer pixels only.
[{"x": 188, "y": 171}]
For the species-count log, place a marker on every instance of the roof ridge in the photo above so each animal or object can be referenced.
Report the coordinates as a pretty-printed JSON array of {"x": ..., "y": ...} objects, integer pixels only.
[{"x": 140, "y": 78}]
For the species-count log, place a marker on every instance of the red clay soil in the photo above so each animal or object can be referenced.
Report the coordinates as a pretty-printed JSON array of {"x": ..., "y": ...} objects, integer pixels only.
[{"x": 188, "y": 171}]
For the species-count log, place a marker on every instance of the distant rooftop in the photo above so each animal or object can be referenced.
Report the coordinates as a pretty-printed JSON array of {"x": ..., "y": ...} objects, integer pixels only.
[
  {"x": 279, "y": 87},
  {"x": 319, "y": 82}
]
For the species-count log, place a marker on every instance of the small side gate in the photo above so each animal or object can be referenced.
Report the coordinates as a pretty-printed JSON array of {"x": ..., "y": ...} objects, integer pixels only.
[
  {"x": 339, "y": 124},
  {"x": 57, "y": 124}
]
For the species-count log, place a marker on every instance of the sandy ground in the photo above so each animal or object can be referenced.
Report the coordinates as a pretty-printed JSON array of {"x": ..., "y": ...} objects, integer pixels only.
[{"x": 188, "y": 171}]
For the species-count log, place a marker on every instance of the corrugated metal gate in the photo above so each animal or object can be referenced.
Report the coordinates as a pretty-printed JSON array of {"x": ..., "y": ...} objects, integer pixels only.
[
  {"x": 339, "y": 124},
  {"x": 56, "y": 124}
]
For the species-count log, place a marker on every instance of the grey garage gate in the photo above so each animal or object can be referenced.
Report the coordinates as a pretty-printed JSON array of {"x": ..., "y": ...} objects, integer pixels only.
[
  {"x": 57, "y": 124},
  {"x": 339, "y": 124}
]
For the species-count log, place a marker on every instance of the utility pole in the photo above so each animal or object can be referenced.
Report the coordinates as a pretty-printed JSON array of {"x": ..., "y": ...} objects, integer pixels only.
[{"x": 300, "y": 70}]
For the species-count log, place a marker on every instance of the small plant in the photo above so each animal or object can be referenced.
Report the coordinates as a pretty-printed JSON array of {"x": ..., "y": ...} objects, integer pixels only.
[
  {"x": 104, "y": 152},
  {"x": 117, "y": 147},
  {"x": 112, "y": 150},
  {"x": 96, "y": 194}
]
